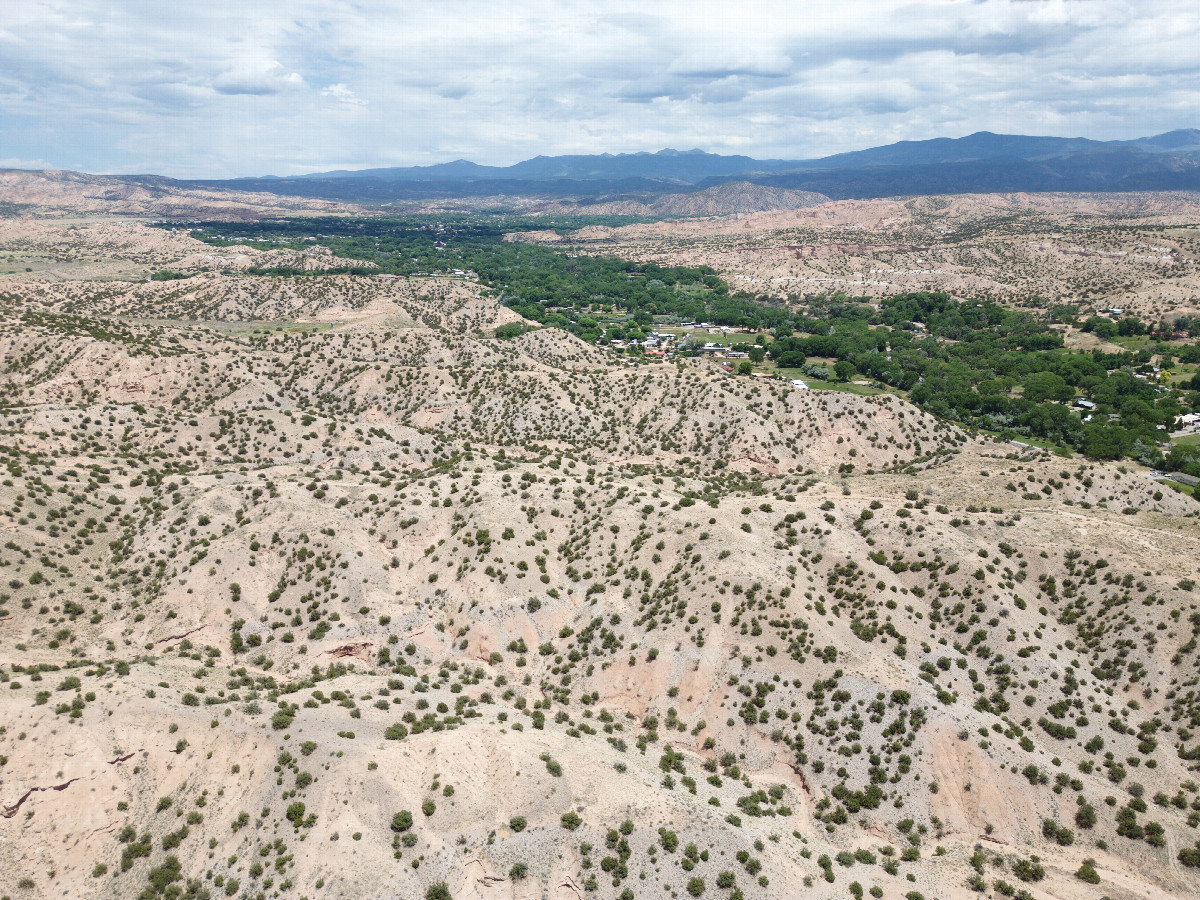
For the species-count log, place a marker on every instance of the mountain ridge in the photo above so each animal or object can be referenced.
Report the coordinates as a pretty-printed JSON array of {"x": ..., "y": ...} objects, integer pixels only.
[
  {"x": 976, "y": 163},
  {"x": 982, "y": 162},
  {"x": 679, "y": 164}
]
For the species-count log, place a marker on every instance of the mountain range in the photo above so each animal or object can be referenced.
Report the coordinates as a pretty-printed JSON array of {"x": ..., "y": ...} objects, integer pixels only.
[{"x": 979, "y": 162}]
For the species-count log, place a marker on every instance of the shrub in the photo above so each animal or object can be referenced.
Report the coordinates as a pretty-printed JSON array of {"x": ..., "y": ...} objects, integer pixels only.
[
  {"x": 428, "y": 806},
  {"x": 1029, "y": 869},
  {"x": 438, "y": 891},
  {"x": 282, "y": 718},
  {"x": 1085, "y": 816},
  {"x": 571, "y": 821},
  {"x": 517, "y": 823},
  {"x": 295, "y": 814},
  {"x": 695, "y": 886},
  {"x": 402, "y": 821},
  {"x": 1087, "y": 872}
]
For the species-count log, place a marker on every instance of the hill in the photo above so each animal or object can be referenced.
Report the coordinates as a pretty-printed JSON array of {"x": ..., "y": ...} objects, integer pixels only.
[{"x": 334, "y": 585}]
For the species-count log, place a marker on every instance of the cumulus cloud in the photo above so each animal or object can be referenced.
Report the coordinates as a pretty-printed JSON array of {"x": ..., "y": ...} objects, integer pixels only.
[
  {"x": 257, "y": 77},
  {"x": 225, "y": 88}
]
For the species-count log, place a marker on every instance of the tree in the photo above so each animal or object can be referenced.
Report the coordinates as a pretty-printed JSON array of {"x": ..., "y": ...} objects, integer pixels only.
[
  {"x": 745, "y": 368},
  {"x": 843, "y": 370},
  {"x": 1104, "y": 442},
  {"x": 756, "y": 354},
  {"x": 1130, "y": 325},
  {"x": 1043, "y": 386}
]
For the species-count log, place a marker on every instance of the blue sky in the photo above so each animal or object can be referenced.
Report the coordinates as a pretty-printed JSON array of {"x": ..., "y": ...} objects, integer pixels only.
[{"x": 220, "y": 89}]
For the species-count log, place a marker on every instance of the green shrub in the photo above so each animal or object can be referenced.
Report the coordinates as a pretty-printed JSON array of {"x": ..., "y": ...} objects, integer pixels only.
[
  {"x": 1087, "y": 872},
  {"x": 1029, "y": 869}
]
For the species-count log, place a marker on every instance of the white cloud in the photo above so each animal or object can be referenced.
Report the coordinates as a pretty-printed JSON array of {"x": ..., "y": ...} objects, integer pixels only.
[
  {"x": 225, "y": 88},
  {"x": 257, "y": 77},
  {"x": 343, "y": 94}
]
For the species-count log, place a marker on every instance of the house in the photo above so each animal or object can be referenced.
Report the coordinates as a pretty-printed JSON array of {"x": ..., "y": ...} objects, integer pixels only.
[
  {"x": 797, "y": 383},
  {"x": 1085, "y": 404},
  {"x": 1189, "y": 480}
]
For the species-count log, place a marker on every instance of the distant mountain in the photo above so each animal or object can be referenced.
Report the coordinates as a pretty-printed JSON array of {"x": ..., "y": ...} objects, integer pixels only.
[
  {"x": 1182, "y": 140},
  {"x": 681, "y": 166},
  {"x": 976, "y": 163},
  {"x": 1124, "y": 168}
]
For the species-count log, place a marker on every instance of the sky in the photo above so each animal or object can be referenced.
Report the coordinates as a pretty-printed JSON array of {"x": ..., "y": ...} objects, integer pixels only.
[{"x": 228, "y": 88}]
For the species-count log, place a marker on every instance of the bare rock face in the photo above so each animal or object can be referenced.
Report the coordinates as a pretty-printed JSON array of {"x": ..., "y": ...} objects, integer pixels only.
[{"x": 317, "y": 587}]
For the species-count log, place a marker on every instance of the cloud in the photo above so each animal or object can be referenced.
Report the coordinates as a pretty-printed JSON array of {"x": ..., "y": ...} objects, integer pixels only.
[
  {"x": 225, "y": 88},
  {"x": 343, "y": 94},
  {"x": 257, "y": 77}
]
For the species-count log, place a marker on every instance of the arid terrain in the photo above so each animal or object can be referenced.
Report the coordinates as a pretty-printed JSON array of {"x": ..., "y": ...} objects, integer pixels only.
[
  {"x": 1136, "y": 252},
  {"x": 317, "y": 586}
]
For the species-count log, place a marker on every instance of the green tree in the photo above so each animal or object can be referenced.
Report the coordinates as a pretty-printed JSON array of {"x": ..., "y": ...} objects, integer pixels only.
[{"x": 1043, "y": 386}]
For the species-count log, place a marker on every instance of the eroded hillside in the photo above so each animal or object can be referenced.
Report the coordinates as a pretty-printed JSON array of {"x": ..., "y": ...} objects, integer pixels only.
[{"x": 321, "y": 588}]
